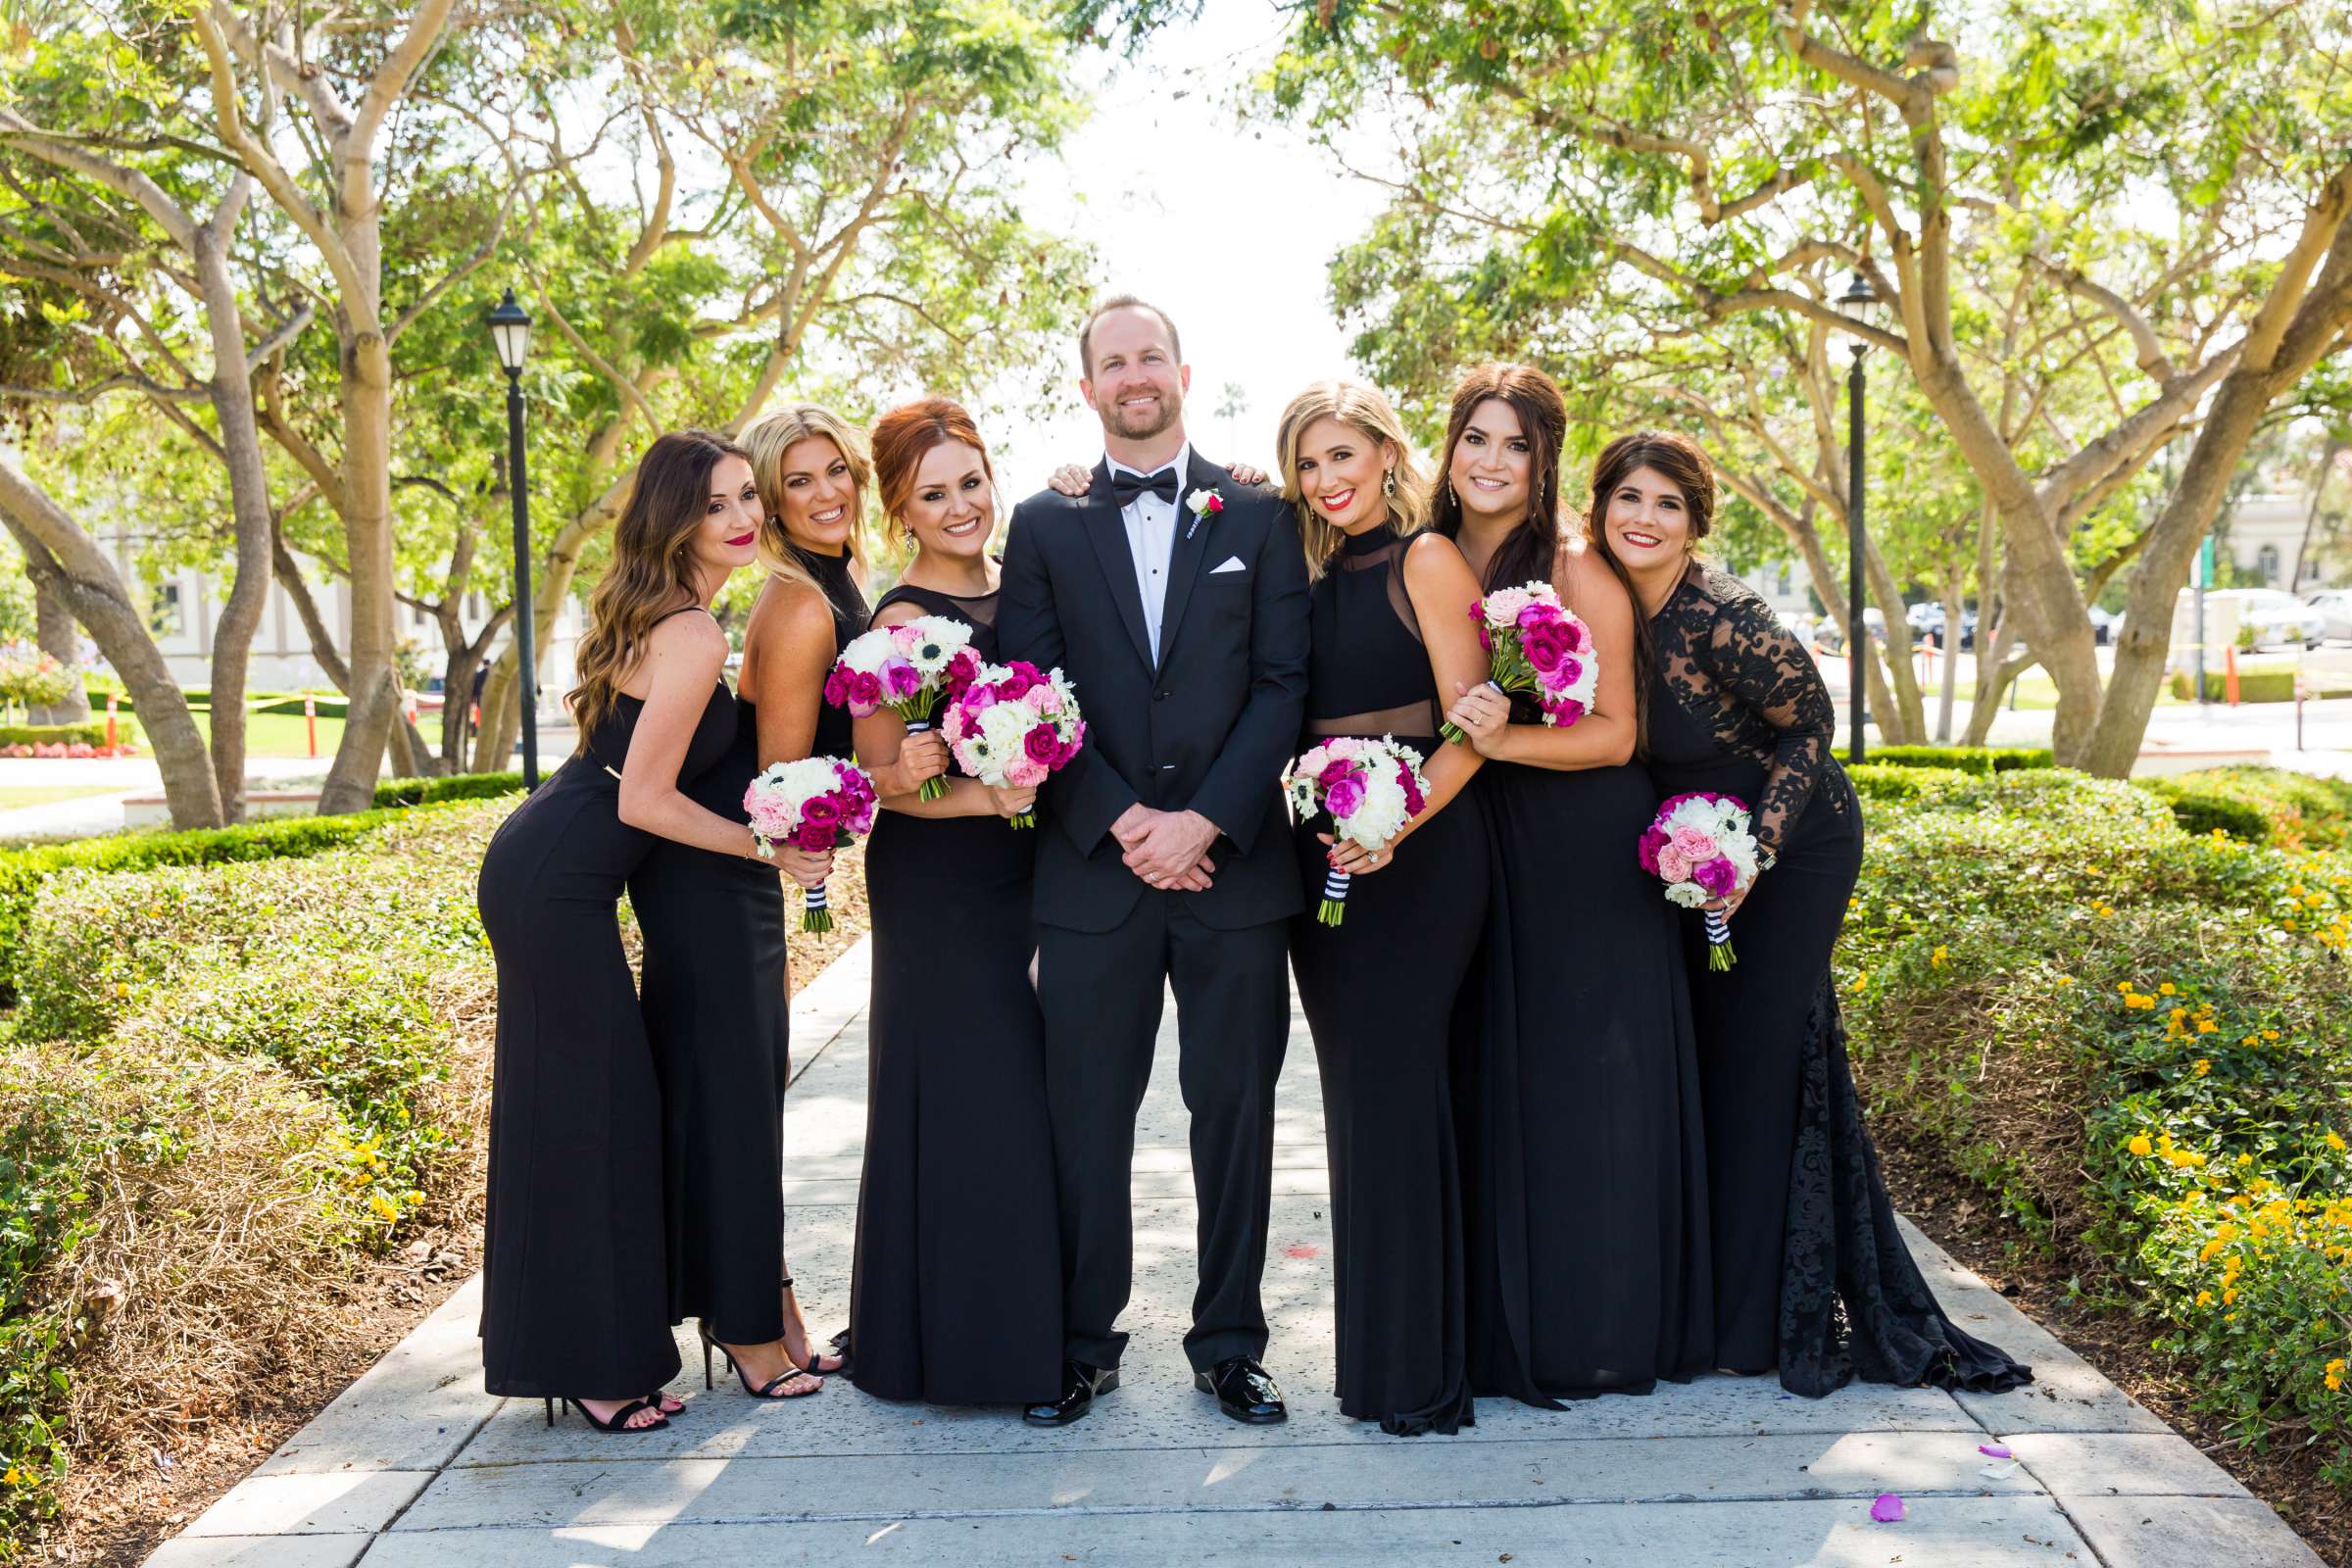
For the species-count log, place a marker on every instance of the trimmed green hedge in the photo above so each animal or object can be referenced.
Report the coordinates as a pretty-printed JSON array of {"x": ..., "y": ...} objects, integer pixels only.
[
  {"x": 2261, "y": 805},
  {"x": 23, "y": 871},
  {"x": 2202, "y": 807},
  {"x": 89, "y": 733},
  {"x": 1967, "y": 759},
  {"x": 456, "y": 787},
  {"x": 2253, "y": 686}
]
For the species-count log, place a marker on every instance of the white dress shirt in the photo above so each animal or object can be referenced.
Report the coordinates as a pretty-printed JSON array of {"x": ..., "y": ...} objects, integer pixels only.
[{"x": 1152, "y": 539}]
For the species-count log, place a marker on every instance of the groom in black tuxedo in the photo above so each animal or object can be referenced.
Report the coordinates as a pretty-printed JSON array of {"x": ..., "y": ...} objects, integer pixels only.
[{"x": 1176, "y": 602}]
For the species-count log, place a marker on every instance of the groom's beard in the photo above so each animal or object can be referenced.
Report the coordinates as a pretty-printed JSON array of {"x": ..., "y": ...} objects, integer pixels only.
[{"x": 1140, "y": 425}]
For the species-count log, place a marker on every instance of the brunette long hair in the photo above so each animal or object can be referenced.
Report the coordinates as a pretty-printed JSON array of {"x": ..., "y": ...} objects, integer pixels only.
[
  {"x": 1526, "y": 555},
  {"x": 1680, "y": 460},
  {"x": 652, "y": 571}
]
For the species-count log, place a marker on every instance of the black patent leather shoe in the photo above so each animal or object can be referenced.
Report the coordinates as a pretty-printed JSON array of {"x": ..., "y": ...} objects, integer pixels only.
[
  {"x": 1245, "y": 1391},
  {"x": 1080, "y": 1384}
]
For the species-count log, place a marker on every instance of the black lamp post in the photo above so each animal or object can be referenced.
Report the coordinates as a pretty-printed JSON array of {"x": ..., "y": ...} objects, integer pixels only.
[
  {"x": 1855, "y": 303},
  {"x": 510, "y": 329}
]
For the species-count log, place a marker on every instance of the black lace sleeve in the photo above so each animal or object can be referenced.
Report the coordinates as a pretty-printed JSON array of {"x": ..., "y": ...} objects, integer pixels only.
[{"x": 1756, "y": 663}]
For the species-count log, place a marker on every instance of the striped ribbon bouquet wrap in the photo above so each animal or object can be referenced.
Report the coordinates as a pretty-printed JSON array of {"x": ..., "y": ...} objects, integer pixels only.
[{"x": 1368, "y": 788}]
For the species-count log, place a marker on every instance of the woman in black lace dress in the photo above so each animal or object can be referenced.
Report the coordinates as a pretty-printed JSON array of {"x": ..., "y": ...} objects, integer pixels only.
[
  {"x": 1389, "y": 633},
  {"x": 1802, "y": 1221},
  {"x": 573, "y": 1303},
  {"x": 1580, "y": 1077},
  {"x": 715, "y": 995},
  {"x": 957, "y": 1296}
]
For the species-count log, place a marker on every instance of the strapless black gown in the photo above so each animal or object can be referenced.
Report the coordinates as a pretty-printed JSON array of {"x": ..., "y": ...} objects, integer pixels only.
[
  {"x": 1579, "y": 1076},
  {"x": 573, "y": 1297},
  {"x": 1379, "y": 992},
  {"x": 1811, "y": 1275},
  {"x": 956, "y": 1296}
]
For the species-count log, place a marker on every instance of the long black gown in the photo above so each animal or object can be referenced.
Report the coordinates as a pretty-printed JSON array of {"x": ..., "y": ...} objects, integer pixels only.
[
  {"x": 1803, "y": 1226},
  {"x": 1379, "y": 991},
  {"x": 717, "y": 1009},
  {"x": 1578, "y": 1075},
  {"x": 573, "y": 1302},
  {"x": 956, "y": 1294}
]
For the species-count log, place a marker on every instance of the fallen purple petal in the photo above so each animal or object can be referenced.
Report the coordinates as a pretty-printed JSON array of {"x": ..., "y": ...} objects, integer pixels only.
[
  {"x": 1995, "y": 1451},
  {"x": 1889, "y": 1510}
]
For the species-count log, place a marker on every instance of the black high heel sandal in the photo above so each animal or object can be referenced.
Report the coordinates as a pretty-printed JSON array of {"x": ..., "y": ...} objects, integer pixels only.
[
  {"x": 811, "y": 1366},
  {"x": 620, "y": 1417},
  {"x": 766, "y": 1390}
]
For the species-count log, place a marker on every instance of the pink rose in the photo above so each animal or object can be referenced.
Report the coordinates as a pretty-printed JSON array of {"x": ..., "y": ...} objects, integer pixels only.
[
  {"x": 1539, "y": 614},
  {"x": 1041, "y": 744},
  {"x": 866, "y": 692},
  {"x": 814, "y": 838},
  {"x": 900, "y": 678},
  {"x": 1545, "y": 648},
  {"x": 1566, "y": 711},
  {"x": 821, "y": 812},
  {"x": 1338, "y": 768},
  {"x": 1673, "y": 864},
  {"x": 837, "y": 687},
  {"x": 1647, "y": 848},
  {"x": 1020, "y": 678}
]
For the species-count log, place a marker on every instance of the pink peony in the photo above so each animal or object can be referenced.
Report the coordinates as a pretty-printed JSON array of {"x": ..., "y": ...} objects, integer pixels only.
[
  {"x": 1569, "y": 711},
  {"x": 1544, "y": 646},
  {"x": 900, "y": 678},
  {"x": 1694, "y": 844},
  {"x": 1028, "y": 772},
  {"x": 1342, "y": 799},
  {"x": 1540, "y": 613},
  {"x": 1717, "y": 875}
]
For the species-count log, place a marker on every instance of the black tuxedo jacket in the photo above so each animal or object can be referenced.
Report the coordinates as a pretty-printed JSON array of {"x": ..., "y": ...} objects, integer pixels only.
[{"x": 1211, "y": 728}]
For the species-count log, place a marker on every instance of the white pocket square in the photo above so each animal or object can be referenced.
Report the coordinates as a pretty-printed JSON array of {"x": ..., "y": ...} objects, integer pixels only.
[{"x": 1232, "y": 564}]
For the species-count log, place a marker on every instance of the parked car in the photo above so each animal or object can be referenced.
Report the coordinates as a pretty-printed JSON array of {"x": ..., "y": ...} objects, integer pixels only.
[
  {"x": 2333, "y": 607},
  {"x": 2276, "y": 616},
  {"x": 1927, "y": 620},
  {"x": 2105, "y": 623},
  {"x": 1830, "y": 639}
]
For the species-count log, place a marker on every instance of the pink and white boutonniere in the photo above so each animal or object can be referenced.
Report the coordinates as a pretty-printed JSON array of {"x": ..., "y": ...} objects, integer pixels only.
[{"x": 1203, "y": 504}]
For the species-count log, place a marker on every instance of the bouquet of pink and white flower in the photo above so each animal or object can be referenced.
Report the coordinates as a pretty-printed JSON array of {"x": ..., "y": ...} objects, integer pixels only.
[
  {"x": 1700, "y": 847},
  {"x": 909, "y": 668},
  {"x": 1369, "y": 788},
  {"x": 1536, "y": 646},
  {"x": 1012, "y": 725},
  {"x": 815, "y": 804}
]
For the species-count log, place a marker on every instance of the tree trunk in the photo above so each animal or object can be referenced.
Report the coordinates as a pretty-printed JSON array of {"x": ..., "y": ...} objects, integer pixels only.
[
  {"x": 375, "y": 689},
  {"x": 306, "y": 609},
  {"x": 1906, "y": 722},
  {"x": 502, "y": 719},
  {"x": 1807, "y": 538},
  {"x": 2311, "y": 514},
  {"x": 231, "y": 392},
  {"x": 63, "y": 560},
  {"x": 59, "y": 637}
]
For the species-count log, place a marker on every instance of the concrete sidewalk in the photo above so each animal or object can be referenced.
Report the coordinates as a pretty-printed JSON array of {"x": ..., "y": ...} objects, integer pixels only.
[{"x": 415, "y": 1467}]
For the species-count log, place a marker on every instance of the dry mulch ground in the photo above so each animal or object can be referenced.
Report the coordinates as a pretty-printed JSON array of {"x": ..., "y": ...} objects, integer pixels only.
[
  {"x": 116, "y": 1512},
  {"x": 1965, "y": 1223}
]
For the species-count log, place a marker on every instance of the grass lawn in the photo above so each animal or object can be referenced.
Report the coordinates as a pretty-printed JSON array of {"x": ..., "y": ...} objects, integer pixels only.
[
  {"x": 286, "y": 735},
  {"x": 43, "y": 794}
]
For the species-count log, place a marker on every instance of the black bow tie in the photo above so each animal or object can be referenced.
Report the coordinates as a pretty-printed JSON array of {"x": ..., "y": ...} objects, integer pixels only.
[{"x": 1125, "y": 486}]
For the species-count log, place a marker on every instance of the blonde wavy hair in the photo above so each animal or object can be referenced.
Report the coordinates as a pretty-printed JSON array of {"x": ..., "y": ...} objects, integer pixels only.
[
  {"x": 652, "y": 571},
  {"x": 767, "y": 442},
  {"x": 1362, "y": 408}
]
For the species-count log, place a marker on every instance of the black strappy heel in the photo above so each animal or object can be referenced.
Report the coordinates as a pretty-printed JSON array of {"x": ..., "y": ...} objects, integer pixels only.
[
  {"x": 765, "y": 1391},
  {"x": 620, "y": 1417},
  {"x": 815, "y": 1357}
]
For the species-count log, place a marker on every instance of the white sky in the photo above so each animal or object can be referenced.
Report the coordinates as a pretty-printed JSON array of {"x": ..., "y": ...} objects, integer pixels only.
[{"x": 1226, "y": 226}]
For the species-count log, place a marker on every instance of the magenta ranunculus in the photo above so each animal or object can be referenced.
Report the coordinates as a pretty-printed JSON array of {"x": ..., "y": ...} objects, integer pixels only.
[
  {"x": 1540, "y": 613},
  {"x": 1342, "y": 799},
  {"x": 1338, "y": 768},
  {"x": 1717, "y": 876},
  {"x": 1414, "y": 801},
  {"x": 837, "y": 687},
  {"x": 1545, "y": 646},
  {"x": 814, "y": 837},
  {"x": 1041, "y": 744},
  {"x": 1650, "y": 843}
]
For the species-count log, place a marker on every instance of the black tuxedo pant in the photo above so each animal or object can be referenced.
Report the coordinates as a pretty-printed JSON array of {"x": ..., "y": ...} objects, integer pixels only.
[{"x": 1100, "y": 993}]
